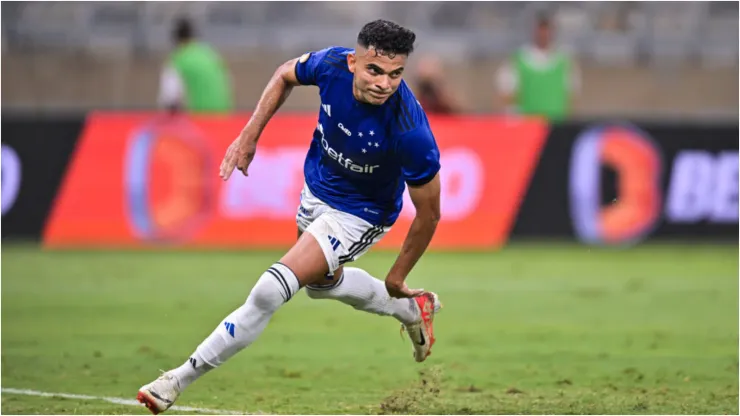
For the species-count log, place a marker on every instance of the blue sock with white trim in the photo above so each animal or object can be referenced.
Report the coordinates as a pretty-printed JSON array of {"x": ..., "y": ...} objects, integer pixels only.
[{"x": 242, "y": 327}]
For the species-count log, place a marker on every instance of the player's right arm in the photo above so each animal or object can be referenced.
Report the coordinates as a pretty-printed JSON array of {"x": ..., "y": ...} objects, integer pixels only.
[
  {"x": 299, "y": 71},
  {"x": 241, "y": 152}
]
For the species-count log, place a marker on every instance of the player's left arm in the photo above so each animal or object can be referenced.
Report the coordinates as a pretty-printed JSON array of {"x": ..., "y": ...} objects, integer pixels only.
[
  {"x": 426, "y": 201},
  {"x": 421, "y": 172}
]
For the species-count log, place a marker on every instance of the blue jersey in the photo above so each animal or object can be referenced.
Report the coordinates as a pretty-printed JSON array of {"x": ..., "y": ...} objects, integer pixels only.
[{"x": 362, "y": 155}]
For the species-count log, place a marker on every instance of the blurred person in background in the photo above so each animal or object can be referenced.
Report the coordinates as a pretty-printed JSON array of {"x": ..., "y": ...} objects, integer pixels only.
[
  {"x": 433, "y": 93},
  {"x": 539, "y": 79},
  {"x": 195, "y": 78}
]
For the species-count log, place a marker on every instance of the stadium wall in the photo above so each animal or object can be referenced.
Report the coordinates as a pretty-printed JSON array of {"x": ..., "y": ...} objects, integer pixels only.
[{"x": 135, "y": 180}]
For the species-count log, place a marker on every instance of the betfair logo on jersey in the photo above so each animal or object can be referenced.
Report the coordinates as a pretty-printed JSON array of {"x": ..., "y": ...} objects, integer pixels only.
[{"x": 346, "y": 162}]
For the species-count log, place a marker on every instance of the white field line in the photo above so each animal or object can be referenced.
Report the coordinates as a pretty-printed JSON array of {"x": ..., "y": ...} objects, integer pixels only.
[{"x": 115, "y": 400}]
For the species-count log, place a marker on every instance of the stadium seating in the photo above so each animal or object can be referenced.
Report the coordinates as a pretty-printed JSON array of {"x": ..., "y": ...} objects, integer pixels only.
[{"x": 116, "y": 44}]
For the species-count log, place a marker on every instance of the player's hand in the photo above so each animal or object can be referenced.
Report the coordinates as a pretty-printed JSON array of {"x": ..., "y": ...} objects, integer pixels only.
[
  {"x": 239, "y": 155},
  {"x": 397, "y": 289}
]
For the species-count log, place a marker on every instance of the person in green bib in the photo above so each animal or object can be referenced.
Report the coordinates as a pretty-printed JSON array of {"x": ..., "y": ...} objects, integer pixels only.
[
  {"x": 195, "y": 78},
  {"x": 539, "y": 79}
]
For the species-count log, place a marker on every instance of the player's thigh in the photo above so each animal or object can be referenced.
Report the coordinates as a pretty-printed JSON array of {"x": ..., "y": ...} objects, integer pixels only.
[
  {"x": 315, "y": 255},
  {"x": 327, "y": 242},
  {"x": 309, "y": 210},
  {"x": 330, "y": 277},
  {"x": 306, "y": 260}
]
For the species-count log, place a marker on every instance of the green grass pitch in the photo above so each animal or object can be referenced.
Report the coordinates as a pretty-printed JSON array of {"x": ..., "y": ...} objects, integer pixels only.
[{"x": 547, "y": 328}]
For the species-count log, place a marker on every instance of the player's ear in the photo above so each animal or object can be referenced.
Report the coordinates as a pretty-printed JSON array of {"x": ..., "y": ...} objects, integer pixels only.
[{"x": 351, "y": 62}]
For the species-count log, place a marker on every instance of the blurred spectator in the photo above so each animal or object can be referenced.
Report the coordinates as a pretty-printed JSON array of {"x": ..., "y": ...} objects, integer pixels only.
[
  {"x": 539, "y": 79},
  {"x": 195, "y": 78},
  {"x": 434, "y": 94}
]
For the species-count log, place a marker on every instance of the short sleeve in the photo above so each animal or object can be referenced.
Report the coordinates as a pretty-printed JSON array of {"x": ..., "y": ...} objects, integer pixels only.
[
  {"x": 310, "y": 66},
  {"x": 419, "y": 156}
]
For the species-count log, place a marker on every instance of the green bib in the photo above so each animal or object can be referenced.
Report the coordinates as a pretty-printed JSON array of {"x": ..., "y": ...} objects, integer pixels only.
[
  {"x": 204, "y": 77},
  {"x": 543, "y": 91}
]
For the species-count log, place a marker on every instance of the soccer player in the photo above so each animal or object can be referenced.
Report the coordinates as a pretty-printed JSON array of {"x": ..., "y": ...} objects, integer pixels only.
[{"x": 372, "y": 139}]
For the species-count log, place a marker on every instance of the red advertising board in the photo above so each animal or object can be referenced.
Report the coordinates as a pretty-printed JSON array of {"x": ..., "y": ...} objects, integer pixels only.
[{"x": 144, "y": 180}]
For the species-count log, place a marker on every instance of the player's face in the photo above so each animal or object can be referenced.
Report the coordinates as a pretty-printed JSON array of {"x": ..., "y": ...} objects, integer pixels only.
[{"x": 377, "y": 76}]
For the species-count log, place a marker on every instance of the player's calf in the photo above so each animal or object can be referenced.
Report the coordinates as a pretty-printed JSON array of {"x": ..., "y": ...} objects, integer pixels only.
[
  {"x": 239, "y": 329},
  {"x": 357, "y": 288},
  {"x": 363, "y": 292},
  {"x": 275, "y": 287}
]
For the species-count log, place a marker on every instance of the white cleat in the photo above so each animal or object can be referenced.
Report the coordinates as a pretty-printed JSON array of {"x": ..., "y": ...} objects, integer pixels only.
[
  {"x": 160, "y": 394},
  {"x": 422, "y": 332}
]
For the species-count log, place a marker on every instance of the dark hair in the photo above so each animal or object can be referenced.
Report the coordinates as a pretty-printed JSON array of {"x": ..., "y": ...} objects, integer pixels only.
[
  {"x": 387, "y": 38},
  {"x": 183, "y": 30}
]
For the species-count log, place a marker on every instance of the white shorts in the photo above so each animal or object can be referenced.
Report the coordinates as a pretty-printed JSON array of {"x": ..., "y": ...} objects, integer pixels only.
[{"x": 343, "y": 237}]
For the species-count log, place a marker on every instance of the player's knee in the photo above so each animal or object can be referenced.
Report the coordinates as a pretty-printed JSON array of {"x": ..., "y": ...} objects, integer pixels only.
[
  {"x": 276, "y": 286},
  {"x": 265, "y": 294},
  {"x": 315, "y": 293},
  {"x": 320, "y": 290}
]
